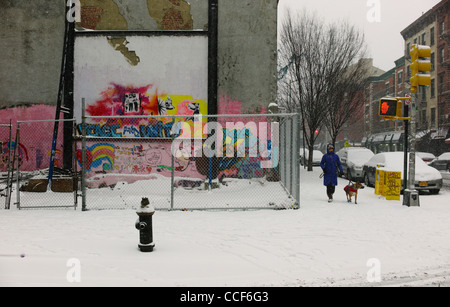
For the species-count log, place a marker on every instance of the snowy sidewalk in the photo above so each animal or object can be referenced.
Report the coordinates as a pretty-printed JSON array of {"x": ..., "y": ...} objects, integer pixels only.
[{"x": 320, "y": 244}]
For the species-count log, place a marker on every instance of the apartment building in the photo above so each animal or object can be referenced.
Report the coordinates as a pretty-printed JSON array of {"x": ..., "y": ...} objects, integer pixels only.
[
  {"x": 380, "y": 134},
  {"x": 432, "y": 29},
  {"x": 423, "y": 31},
  {"x": 432, "y": 117}
]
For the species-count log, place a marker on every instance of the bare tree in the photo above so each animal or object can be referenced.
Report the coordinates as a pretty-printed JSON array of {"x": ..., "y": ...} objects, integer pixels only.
[
  {"x": 348, "y": 76},
  {"x": 317, "y": 62}
]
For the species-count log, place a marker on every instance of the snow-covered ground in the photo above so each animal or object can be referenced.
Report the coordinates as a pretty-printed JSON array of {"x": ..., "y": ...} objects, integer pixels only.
[{"x": 374, "y": 243}]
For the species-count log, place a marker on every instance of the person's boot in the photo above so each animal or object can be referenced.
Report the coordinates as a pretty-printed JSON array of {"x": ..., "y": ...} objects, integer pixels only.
[{"x": 330, "y": 198}]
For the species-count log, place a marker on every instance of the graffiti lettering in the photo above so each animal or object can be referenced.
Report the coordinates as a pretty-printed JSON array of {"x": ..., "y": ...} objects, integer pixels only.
[
  {"x": 160, "y": 130},
  {"x": 131, "y": 131},
  {"x": 100, "y": 130},
  {"x": 237, "y": 140}
]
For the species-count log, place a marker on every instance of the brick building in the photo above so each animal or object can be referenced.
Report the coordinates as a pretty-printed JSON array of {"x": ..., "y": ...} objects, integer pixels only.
[
  {"x": 431, "y": 29},
  {"x": 432, "y": 117},
  {"x": 380, "y": 134}
]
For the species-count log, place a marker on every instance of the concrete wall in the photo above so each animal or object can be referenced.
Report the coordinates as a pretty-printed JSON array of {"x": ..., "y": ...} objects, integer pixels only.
[
  {"x": 31, "y": 40},
  {"x": 247, "y": 54}
]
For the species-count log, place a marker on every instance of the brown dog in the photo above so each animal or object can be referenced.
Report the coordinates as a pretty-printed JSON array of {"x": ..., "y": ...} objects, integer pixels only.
[{"x": 352, "y": 189}]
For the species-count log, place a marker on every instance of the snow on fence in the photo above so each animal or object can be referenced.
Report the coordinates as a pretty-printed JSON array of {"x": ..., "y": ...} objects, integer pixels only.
[{"x": 201, "y": 162}]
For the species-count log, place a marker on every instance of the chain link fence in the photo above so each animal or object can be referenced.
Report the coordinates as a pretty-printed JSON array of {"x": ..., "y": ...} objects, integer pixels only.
[
  {"x": 31, "y": 187},
  {"x": 182, "y": 163},
  {"x": 201, "y": 162}
]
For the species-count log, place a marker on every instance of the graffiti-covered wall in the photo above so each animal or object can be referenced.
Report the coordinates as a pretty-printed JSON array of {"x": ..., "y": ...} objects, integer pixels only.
[
  {"x": 141, "y": 75},
  {"x": 35, "y": 138},
  {"x": 134, "y": 74}
]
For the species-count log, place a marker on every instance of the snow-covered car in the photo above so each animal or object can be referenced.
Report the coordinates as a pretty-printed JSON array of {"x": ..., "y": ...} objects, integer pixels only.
[
  {"x": 442, "y": 162},
  {"x": 317, "y": 157},
  {"x": 426, "y": 156},
  {"x": 426, "y": 177},
  {"x": 353, "y": 159}
]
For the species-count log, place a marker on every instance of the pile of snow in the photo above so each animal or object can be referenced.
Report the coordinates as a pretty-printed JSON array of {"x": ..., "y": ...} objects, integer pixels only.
[{"x": 320, "y": 244}]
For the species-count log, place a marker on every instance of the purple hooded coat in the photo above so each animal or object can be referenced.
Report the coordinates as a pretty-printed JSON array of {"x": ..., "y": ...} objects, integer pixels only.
[{"x": 330, "y": 165}]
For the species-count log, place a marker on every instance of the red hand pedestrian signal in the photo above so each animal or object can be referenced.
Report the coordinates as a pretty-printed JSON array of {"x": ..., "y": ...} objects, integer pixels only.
[
  {"x": 390, "y": 107},
  {"x": 384, "y": 107}
]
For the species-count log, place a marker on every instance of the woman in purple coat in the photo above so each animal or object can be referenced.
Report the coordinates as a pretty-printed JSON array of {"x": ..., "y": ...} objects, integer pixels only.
[{"x": 331, "y": 165}]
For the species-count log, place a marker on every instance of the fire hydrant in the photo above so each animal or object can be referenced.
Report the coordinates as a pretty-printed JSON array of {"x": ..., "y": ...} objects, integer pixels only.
[{"x": 144, "y": 225}]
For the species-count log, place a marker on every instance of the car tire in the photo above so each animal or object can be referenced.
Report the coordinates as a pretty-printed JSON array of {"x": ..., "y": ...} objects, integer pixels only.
[
  {"x": 434, "y": 191},
  {"x": 366, "y": 180}
]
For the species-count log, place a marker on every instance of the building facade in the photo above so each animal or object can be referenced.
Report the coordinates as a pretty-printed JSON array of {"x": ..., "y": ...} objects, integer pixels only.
[
  {"x": 431, "y": 29},
  {"x": 432, "y": 105},
  {"x": 380, "y": 134}
]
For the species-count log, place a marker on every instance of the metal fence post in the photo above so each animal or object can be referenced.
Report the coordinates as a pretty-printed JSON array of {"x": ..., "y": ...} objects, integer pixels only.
[
  {"x": 297, "y": 164},
  {"x": 74, "y": 165},
  {"x": 293, "y": 159},
  {"x": 172, "y": 173},
  {"x": 16, "y": 154},
  {"x": 9, "y": 178},
  {"x": 284, "y": 153},
  {"x": 83, "y": 155}
]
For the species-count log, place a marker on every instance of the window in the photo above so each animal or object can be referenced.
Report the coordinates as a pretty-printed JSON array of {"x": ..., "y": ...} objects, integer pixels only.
[
  {"x": 424, "y": 41},
  {"x": 408, "y": 72},
  {"x": 423, "y": 118},
  {"x": 432, "y": 88},
  {"x": 432, "y": 36},
  {"x": 441, "y": 83},
  {"x": 423, "y": 89},
  {"x": 432, "y": 61},
  {"x": 400, "y": 78},
  {"x": 442, "y": 27},
  {"x": 433, "y": 117},
  {"x": 442, "y": 55}
]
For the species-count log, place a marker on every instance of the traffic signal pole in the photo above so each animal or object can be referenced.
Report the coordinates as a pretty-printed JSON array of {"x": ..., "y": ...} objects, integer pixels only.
[
  {"x": 420, "y": 64},
  {"x": 405, "y": 148},
  {"x": 411, "y": 195}
]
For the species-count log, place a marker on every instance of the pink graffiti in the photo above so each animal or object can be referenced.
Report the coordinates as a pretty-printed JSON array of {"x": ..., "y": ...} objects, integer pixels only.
[{"x": 112, "y": 100}]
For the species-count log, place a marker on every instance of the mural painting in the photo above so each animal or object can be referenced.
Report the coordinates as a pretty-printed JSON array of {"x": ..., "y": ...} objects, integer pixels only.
[{"x": 35, "y": 142}]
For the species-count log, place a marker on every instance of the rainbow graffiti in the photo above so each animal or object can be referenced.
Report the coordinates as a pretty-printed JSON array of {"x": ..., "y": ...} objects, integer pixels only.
[{"x": 101, "y": 154}]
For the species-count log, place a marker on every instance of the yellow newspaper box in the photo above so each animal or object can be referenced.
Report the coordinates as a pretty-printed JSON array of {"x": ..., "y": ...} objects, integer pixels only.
[
  {"x": 379, "y": 182},
  {"x": 392, "y": 186}
]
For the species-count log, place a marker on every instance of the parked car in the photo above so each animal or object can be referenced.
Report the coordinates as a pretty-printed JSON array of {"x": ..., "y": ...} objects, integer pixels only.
[
  {"x": 442, "y": 163},
  {"x": 352, "y": 160},
  {"x": 426, "y": 177},
  {"x": 426, "y": 156},
  {"x": 317, "y": 157}
]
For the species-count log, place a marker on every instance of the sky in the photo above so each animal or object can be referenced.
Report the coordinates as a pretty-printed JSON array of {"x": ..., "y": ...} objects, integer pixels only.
[{"x": 380, "y": 20}]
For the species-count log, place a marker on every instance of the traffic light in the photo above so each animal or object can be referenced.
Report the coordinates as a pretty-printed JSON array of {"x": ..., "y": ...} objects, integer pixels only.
[
  {"x": 390, "y": 107},
  {"x": 420, "y": 64}
]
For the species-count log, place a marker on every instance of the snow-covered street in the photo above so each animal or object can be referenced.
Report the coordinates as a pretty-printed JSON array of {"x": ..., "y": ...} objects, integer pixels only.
[{"x": 374, "y": 243}]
